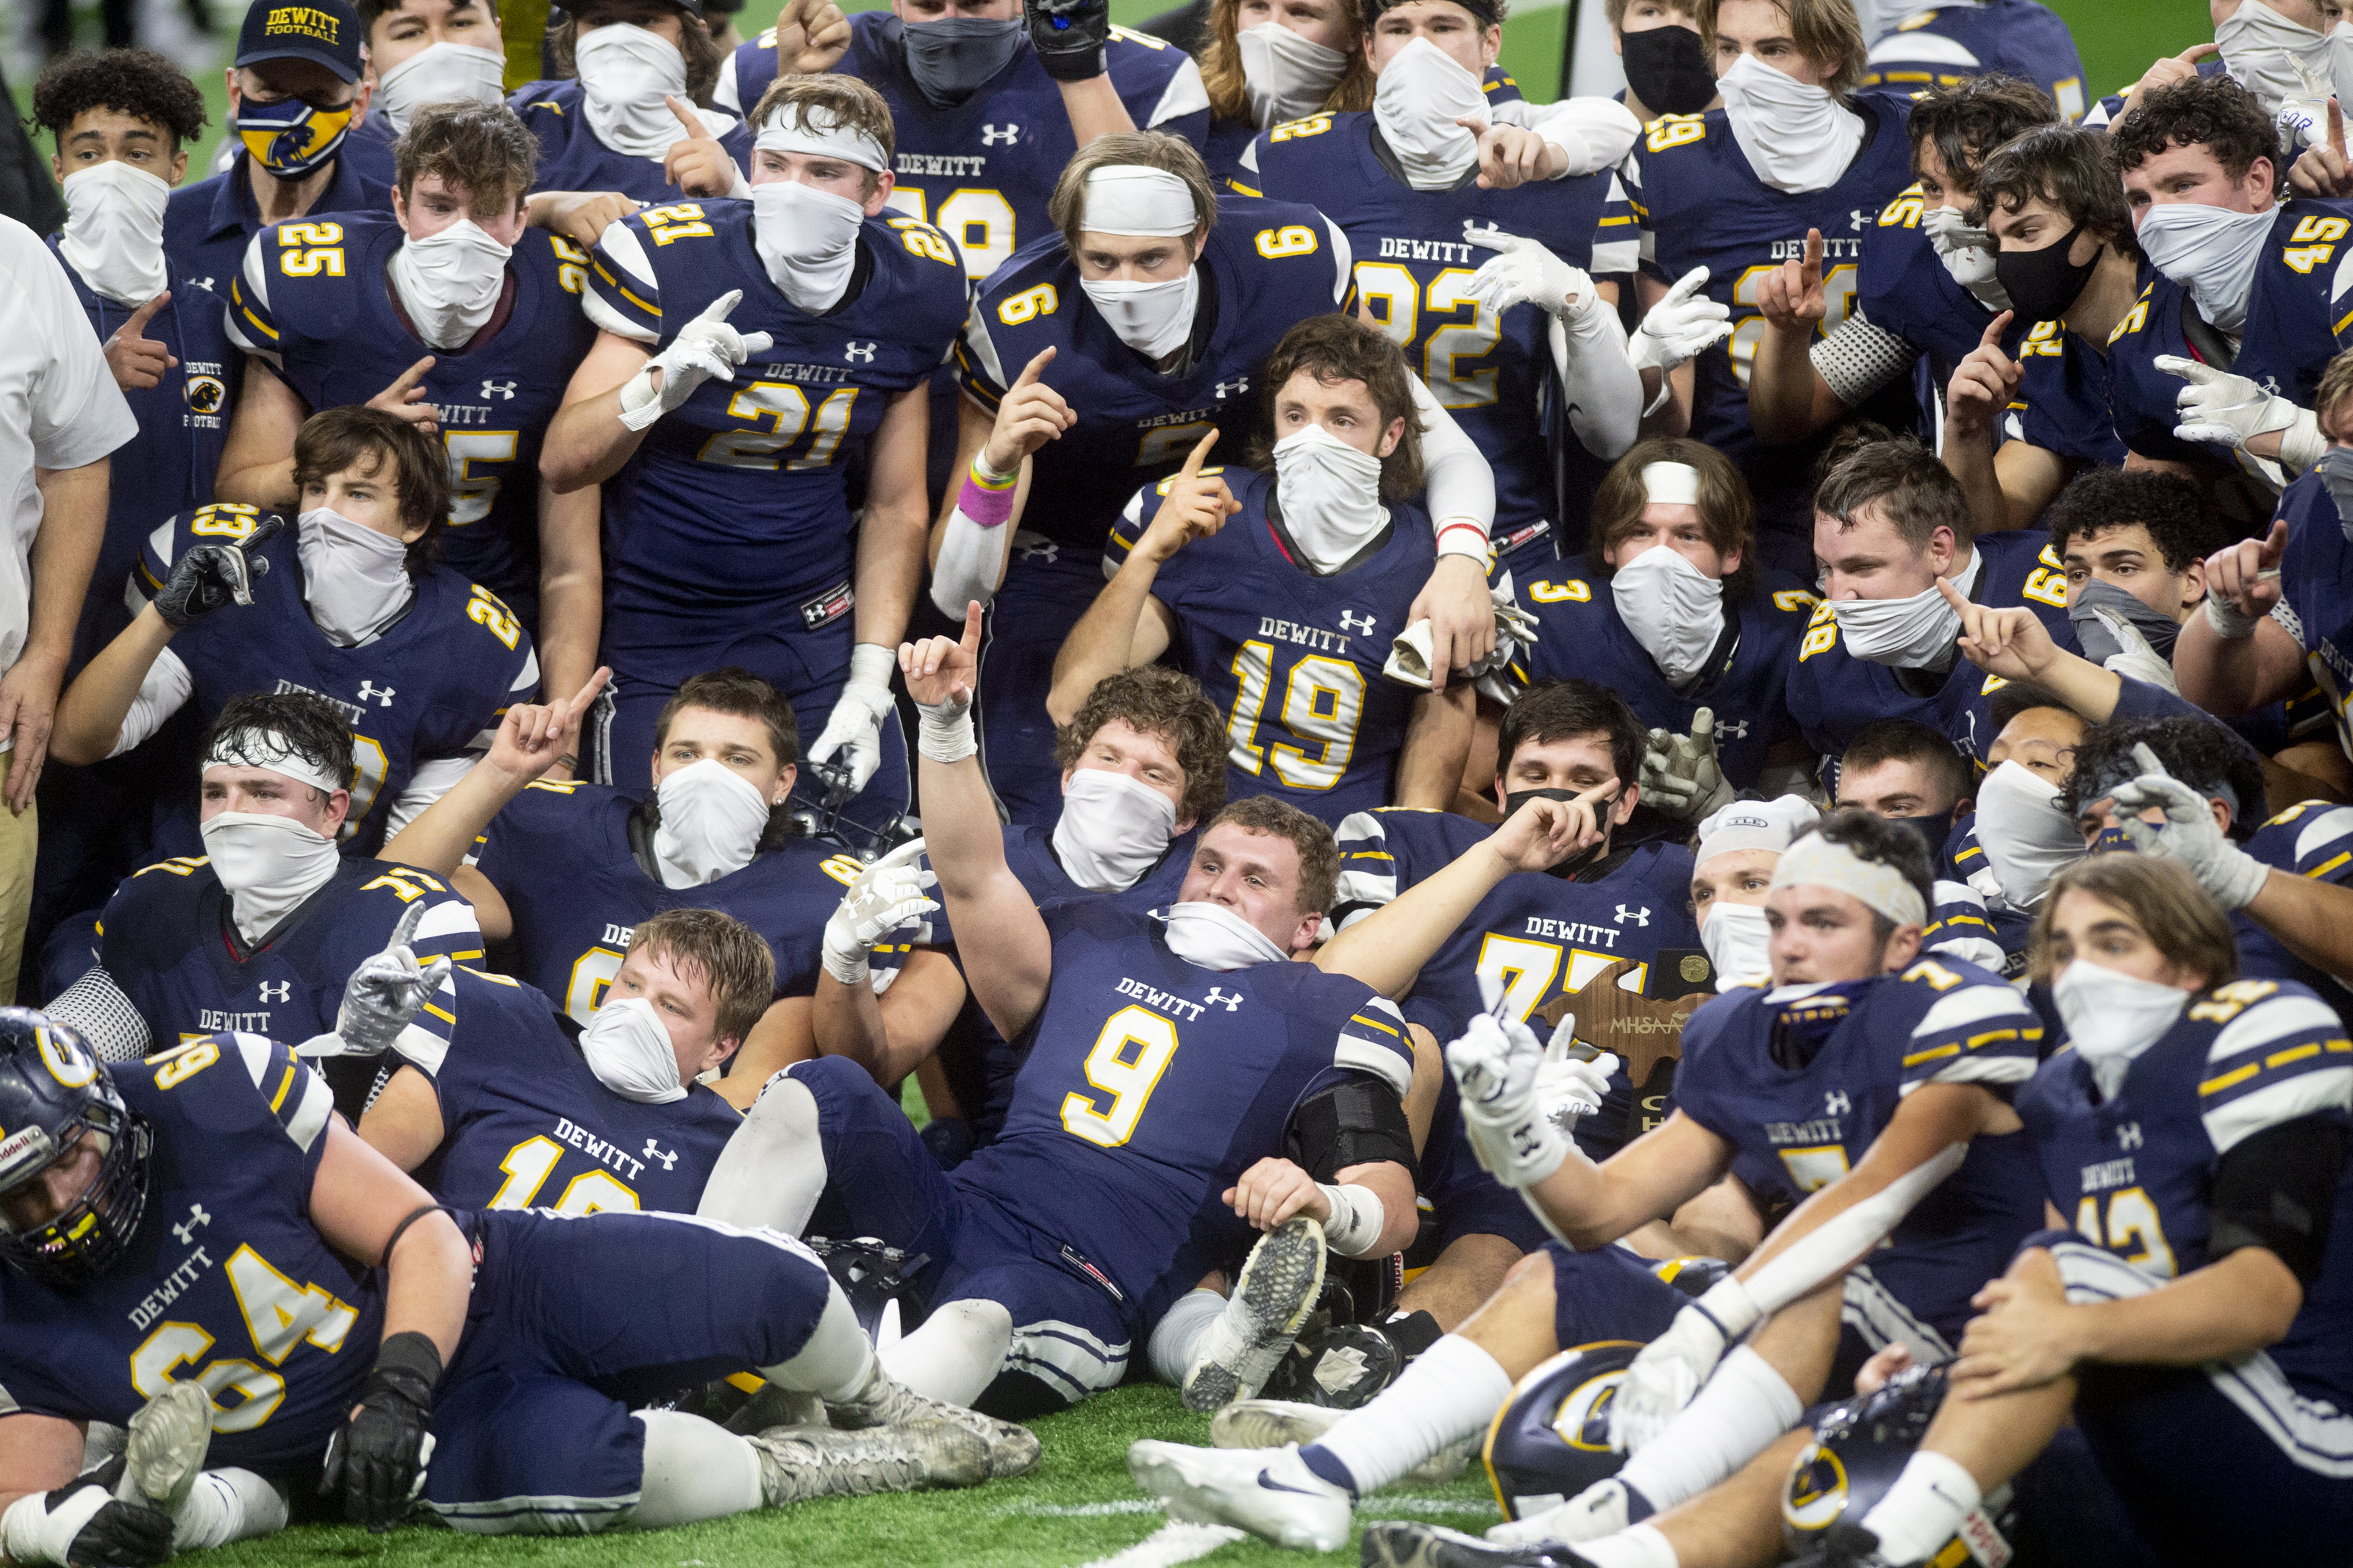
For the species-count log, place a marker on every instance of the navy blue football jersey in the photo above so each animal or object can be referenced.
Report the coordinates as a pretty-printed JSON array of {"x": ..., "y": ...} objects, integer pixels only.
[
  {"x": 313, "y": 302},
  {"x": 1292, "y": 658},
  {"x": 1800, "y": 1081},
  {"x": 525, "y": 1123},
  {"x": 208, "y": 223},
  {"x": 1150, "y": 1084},
  {"x": 1581, "y": 636},
  {"x": 1947, "y": 44},
  {"x": 1901, "y": 286},
  {"x": 431, "y": 688},
  {"x": 1491, "y": 373},
  {"x": 1834, "y": 694},
  {"x": 2133, "y": 1171},
  {"x": 168, "y": 941},
  {"x": 2317, "y": 595},
  {"x": 2063, "y": 402},
  {"x": 559, "y": 854},
  {"x": 1702, "y": 204},
  {"x": 1230, "y": 140},
  {"x": 226, "y": 1283},
  {"x": 982, "y": 170},
  {"x": 572, "y": 159},
  {"x": 2311, "y": 838}
]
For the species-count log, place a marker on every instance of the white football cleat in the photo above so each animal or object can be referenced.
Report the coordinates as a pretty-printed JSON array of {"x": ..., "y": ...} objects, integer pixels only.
[
  {"x": 1270, "y": 1492},
  {"x": 1599, "y": 1511},
  {"x": 1272, "y": 1303},
  {"x": 798, "y": 1463},
  {"x": 166, "y": 1448}
]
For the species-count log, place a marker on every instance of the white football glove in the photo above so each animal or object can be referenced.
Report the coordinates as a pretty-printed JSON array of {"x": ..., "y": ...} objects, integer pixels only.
[
  {"x": 1671, "y": 1368},
  {"x": 855, "y": 725},
  {"x": 1681, "y": 327},
  {"x": 887, "y": 895},
  {"x": 1495, "y": 1063},
  {"x": 1526, "y": 273},
  {"x": 383, "y": 995},
  {"x": 2189, "y": 836},
  {"x": 2230, "y": 410},
  {"x": 1570, "y": 1087},
  {"x": 1409, "y": 660},
  {"x": 1681, "y": 775},
  {"x": 705, "y": 349}
]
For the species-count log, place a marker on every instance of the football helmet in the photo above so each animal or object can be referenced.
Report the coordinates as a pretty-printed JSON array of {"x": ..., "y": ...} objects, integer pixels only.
[
  {"x": 1692, "y": 1276},
  {"x": 1859, "y": 1447},
  {"x": 879, "y": 1281},
  {"x": 52, "y": 1094},
  {"x": 820, "y": 805},
  {"x": 1551, "y": 1439}
]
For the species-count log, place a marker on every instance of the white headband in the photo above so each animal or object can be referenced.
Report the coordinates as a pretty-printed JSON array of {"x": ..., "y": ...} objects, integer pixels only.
[
  {"x": 1128, "y": 198},
  {"x": 843, "y": 141},
  {"x": 1754, "y": 825},
  {"x": 268, "y": 749},
  {"x": 1670, "y": 484},
  {"x": 1816, "y": 862}
]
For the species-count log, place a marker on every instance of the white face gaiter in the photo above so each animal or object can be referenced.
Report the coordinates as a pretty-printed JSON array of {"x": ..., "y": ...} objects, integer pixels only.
[
  {"x": 625, "y": 72},
  {"x": 1153, "y": 319},
  {"x": 1213, "y": 937},
  {"x": 114, "y": 231},
  {"x": 631, "y": 1052},
  {"x": 353, "y": 578},
  {"x": 807, "y": 239},
  {"x": 1284, "y": 76},
  {"x": 1419, "y": 95},
  {"x": 1796, "y": 136},
  {"x": 1113, "y": 829},
  {"x": 449, "y": 282},
  {"x": 1330, "y": 494},
  {"x": 441, "y": 73},
  {"x": 1909, "y": 634},
  {"x": 1674, "y": 610},
  {"x": 1967, "y": 255},
  {"x": 268, "y": 864},
  {"x": 712, "y": 819},
  {"x": 2112, "y": 1018},
  {"x": 2027, "y": 836},
  {"x": 2272, "y": 57},
  {"x": 1737, "y": 938},
  {"x": 2210, "y": 252}
]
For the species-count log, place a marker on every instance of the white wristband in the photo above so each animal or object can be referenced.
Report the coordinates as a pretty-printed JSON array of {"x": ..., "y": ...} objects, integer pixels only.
[
  {"x": 1358, "y": 1217},
  {"x": 945, "y": 733},
  {"x": 871, "y": 664},
  {"x": 1463, "y": 536},
  {"x": 641, "y": 401},
  {"x": 2228, "y": 622},
  {"x": 29, "y": 1532}
]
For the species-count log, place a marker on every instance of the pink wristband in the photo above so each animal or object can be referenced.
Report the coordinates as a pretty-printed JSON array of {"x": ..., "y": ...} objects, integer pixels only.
[{"x": 988, "y": 505}]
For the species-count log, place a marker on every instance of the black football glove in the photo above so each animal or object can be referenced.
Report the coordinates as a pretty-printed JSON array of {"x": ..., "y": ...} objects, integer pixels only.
[
  {"x": 376, "y": 1459},
  {"x": 212, "y": 576},
  {"x": 1070, "y": 36},
  {"x": 87, "y": 1524}
]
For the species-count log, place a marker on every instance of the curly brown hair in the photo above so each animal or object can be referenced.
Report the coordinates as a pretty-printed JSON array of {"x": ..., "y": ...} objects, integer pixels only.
[
  {"x": 2067, "y": 166},
  {"x": 1156, "y": 701},
  {"x": 139, "y": 83},
  {"x": 1334, "y": 348},
  {"x": 1966, "y": 119},
  {"x": 2211, "y": 111},
  {"x": 480, "y": 148}
]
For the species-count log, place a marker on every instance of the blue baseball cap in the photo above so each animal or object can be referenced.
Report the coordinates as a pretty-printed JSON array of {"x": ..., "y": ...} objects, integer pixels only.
[{"x": 326, "y": 32}]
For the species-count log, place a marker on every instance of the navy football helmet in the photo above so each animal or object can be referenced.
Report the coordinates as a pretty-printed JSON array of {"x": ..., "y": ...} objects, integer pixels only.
[
  {"x": 54, "y": 1093},
  {"x": 1692, "y": 1276},
  {"x": 1551, "y": 1439},
  {"x": 1859, "y": 1447}
]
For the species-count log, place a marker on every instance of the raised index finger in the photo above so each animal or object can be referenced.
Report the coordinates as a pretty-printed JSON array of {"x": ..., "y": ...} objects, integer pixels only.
[
  {"x": 2197, "y": 52},
  {"x": 1035, "y": 367},
  {"x": 1192, "y": 467},
  {"x": 137, "y": 325},
  {"x": 2335, "y": 129},
  {"x": 1994, "y": 330},
  {"x": 587, "y": 693},
  {"x": 1813, "y": 252},
  {"x": 412, "y": 375},
  {"x": 687, "y": 117}
]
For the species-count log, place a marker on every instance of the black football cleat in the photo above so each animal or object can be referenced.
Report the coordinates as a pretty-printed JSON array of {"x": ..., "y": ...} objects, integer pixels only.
[{"x": 1395, "y": 1543}]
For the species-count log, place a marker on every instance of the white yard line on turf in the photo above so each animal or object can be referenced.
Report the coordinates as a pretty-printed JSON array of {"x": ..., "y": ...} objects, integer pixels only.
[
  {"x": 1084, "y": 1510},
  {"x": 1170, "y": 1545}
]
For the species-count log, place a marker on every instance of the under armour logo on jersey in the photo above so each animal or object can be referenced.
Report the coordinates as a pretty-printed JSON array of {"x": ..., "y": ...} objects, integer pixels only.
[
  {"x": 863, "y": 354},
  {"x": 1641, "y": 917},
  {"x": 1236, "y": 387},
  {"x": 1855, "y": 219},
  {"x": 1732, "y": 729},
  {"x": 383, "y": 694},
  {"x": 669, "y": 1157},
  {"x": 990, "y": 135},
  {"x": 1218, "y": 994},
  {"x": 1349, "y": 622},
  {"x": 1836, "y": 1103},
  {"x": 1035, "y": 548},
  {"x": 276, "y": 990},
  {"x": 2129, "y": 1135},
  {"x": 2272, "y": 385},
  {"x": 499, "y": 389},
  {"x": 186, "y": 1229}
]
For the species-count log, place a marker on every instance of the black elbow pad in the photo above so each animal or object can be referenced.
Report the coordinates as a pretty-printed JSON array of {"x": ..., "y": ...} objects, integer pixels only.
[
  {"x": 2277, "y": 1190},
  {"x": 1357, "y": 1121}
]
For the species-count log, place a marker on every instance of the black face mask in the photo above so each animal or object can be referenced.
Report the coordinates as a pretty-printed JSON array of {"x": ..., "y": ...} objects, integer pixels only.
[
  {"x": 1932, "y": 831},
  {"x": 2042, "y": 284},
  {"x": 1667, "y": 69},
  {"x": 955, "y": 57},
  {"x": 2099, "y": 643},
  {"x": 1515, "y": 799}
]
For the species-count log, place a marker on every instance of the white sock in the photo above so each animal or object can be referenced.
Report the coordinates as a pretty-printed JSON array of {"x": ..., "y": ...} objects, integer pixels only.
[
  {"x": 835, "y": 1362},
  {"x": 1640, "y": 1547},
  {"x": 772, "y": 1170},
  {"x": 226, "y": 1505},
  {"x": 1449, "y": 1391},
  {"x": 1178, "y": 1333},
  {"x": 957, "y": 1353},
  {"x": 694, "y": 1470},
  {"x": 1924, "y": 1508},
  {"x": 1737, "y": 1415}
]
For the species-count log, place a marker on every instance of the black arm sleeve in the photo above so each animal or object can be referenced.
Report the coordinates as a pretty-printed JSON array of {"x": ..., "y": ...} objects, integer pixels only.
[
  {"x": 1356, "y": 1121},
  {"x": 2277, "y": 1190}
]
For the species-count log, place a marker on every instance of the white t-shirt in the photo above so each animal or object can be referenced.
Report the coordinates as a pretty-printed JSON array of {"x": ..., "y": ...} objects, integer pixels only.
[{"x": 59, "y": 408}]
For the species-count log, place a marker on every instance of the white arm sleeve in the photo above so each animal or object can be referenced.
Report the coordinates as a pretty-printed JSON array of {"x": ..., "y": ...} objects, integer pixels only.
[
  {"x": 1859, "y": 359},
  {"x": 972, "y": 560},
  {"x": 726, "y": 93},
  {"x": 1603, "y": 388},
  {"x": 1833, "y": 1246},
  {"x": 97, "y": 1007},
  {"x": 164, "y": 692},
  {"x": 429, "y": 784},
  {"x": 1462, "y": 487},
  {"x": 1594, "y": 132}
]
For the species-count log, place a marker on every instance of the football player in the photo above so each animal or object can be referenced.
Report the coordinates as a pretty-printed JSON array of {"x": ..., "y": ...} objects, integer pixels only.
[
  {"x": 1194, "y": 568},
  {"x": 1891, "y": 524},
  {"x": 1664, "y": 74},
  {"x": 1128, "y": 1167},
  {"x": 1399, "y": 181},
  {"x": 349, "y": 607},
  {"x": 1154, "y": 311},
  {"x": 1860, "y": 1047},
  {"x": 1906, "y": 772},
  {"x": 1947, "y": 44},
  {"x": 735, "y": 541},
  {"x": 1673, "y": 612},
  {"x": 566, "y": 871},
  {"x": 452, "y": 315},
  {"x": 294, "y": 95},
  {"x": 1736, "y": 191},
  {"x": 430, "y": 51},
  {"x": 2213, "y": 1274},
  {"x": 628, "y": 113},
  {"x": 221, "y": 1174}
]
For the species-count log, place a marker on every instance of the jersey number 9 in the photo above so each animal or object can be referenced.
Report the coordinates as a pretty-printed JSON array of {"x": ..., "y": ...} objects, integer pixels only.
[{"x": 1129, "y": 1056}]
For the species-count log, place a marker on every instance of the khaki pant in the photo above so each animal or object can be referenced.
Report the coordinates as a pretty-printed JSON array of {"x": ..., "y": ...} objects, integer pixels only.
[{"x": 20, "y": 839}]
